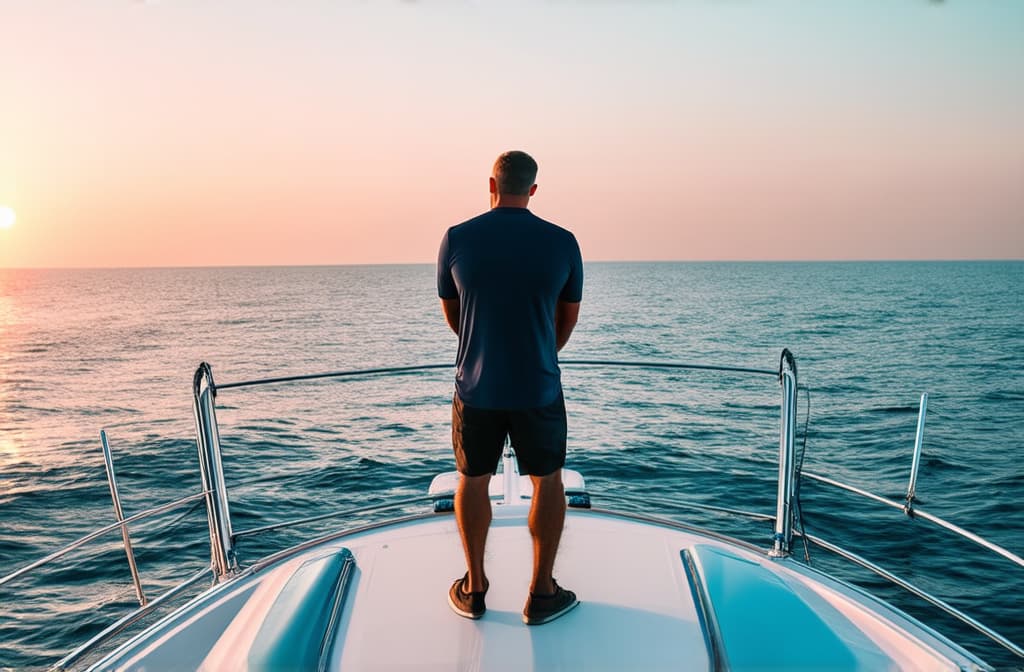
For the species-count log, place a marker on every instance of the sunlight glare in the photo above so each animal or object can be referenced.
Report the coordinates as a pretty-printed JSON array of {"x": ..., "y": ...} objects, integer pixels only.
[{"x": 7, "y": 217}]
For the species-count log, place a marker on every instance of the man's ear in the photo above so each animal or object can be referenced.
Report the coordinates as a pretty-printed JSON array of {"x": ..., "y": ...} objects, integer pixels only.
[
  {"x": 493, "y": 185},
  {"x": 533, "y": 190}
]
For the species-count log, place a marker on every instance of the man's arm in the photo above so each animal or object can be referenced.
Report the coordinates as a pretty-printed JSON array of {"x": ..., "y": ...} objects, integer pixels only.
[
  {"x": 451, "y": 310},
  {"x": 566, "y": 314}
]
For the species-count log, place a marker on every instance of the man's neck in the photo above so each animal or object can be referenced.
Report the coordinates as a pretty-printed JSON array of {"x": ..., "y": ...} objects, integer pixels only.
[{"x": 504, "y": 201}]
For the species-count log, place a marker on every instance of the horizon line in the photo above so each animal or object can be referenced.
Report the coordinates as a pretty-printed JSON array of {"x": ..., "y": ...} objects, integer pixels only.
[{"x": 585, "y": 262}]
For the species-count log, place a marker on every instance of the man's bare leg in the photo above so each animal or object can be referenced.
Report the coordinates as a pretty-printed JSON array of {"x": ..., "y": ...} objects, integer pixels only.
[
  {"x": 547, "y": 516},
  {"x": 473, "y": 516}
]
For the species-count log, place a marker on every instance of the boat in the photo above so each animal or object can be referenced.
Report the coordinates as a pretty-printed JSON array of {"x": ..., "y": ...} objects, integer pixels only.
[{"x": 656, "y": 593}]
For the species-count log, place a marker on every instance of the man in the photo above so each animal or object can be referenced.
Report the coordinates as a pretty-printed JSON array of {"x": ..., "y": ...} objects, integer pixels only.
[{"x": 510, "y": 285}]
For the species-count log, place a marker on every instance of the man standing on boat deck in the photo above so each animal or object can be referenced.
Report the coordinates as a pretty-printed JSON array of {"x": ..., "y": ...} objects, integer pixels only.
[{"x": 510, "y": 285}]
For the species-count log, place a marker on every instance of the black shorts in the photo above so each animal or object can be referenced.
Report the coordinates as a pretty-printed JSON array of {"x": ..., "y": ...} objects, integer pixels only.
[{"x": 538, "y": 436}]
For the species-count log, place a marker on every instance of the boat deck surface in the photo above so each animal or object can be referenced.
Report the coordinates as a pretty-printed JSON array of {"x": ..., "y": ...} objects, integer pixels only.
[{"x": 636, "y": 611}]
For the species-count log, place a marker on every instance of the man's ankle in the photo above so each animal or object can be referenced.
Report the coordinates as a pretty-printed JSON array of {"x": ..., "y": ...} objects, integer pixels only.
[{"x": 543, "y": 586}]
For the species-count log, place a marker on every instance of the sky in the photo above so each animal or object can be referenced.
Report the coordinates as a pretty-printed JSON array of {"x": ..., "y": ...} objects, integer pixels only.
[{"x": 187, "y": 132}]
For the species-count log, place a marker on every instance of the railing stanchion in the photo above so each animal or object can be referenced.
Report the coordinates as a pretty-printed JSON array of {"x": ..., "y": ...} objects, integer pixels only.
[
  {"x": 509, "y": 476},
  {"x": 908, "y": 508},
  {"x": 108, "y": 460},
  {"x": 222, "y": 550},
  {"x": 782, "y": 537}
]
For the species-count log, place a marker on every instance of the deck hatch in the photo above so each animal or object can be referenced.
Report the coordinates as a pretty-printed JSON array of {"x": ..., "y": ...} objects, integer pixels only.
[
  {"x": 761, "y": 622},
  {"x": 298, "y": 628}
]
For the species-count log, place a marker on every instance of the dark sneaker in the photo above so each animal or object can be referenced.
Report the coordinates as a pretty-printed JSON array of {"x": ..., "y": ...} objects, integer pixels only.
[
  {"x": 543, "y": 608},
  {"x": 469, "y": 605}
]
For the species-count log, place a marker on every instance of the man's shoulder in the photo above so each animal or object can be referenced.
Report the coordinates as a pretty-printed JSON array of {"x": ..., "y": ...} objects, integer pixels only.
[
  {"x": 561, "y": 230},
  {"x": 468, "y": 224},
  {"x": 564, "y": 236},
  {"x": 553, "y": 229}
]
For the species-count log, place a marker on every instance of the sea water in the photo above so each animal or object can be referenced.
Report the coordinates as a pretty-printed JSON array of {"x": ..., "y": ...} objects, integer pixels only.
[{"x": 85, "y": 350}]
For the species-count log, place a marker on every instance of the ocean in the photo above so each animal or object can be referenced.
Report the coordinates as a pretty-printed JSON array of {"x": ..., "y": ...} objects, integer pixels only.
[{"x": 85, "y": 350}]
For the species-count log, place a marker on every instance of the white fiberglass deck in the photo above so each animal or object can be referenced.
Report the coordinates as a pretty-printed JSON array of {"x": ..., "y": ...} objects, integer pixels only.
[
  {"x": 638, "y": 609},
  {"x": 636, "y": 612}
]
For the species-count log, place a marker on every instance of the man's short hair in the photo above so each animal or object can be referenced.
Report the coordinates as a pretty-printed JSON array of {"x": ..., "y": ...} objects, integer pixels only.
[{"x": 515, "y": 172}]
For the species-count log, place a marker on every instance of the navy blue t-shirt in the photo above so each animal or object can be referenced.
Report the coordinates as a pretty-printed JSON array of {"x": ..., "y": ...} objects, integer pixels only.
[{"x": 508, "y": 268}]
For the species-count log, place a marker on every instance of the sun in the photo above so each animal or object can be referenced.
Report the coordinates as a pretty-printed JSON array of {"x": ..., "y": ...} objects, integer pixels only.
[{"x": 7, "y": 217}]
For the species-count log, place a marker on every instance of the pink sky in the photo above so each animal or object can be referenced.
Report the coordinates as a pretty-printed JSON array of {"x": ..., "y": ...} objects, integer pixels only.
[{"x": 187, "y": 133}]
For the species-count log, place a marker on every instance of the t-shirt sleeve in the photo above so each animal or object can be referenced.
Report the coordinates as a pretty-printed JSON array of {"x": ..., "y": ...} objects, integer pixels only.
[
  {"x": 446, "y": 288},
  {"x": 572, "y": 292}
]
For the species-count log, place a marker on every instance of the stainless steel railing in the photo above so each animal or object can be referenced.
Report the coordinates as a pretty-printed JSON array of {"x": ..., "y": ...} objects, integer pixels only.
[
  {"x": 169, "y": 506},
  {"x": 223, "y": 562},
  {"x": 923, "y": 594},
  {"x": 211, "y": 471},
  {"x": 146, "y": 606},
  {"x": 207, "y": 438},
  {"x": 783, "y": 537},
  {"x": 108, "y": 461},
  {"x": 907, "y": 506},
  {"x": 915, "y": 463}
]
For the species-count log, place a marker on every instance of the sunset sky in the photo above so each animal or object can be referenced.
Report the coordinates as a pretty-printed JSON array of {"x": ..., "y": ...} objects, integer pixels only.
[{"x": 185, "y": 132}]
